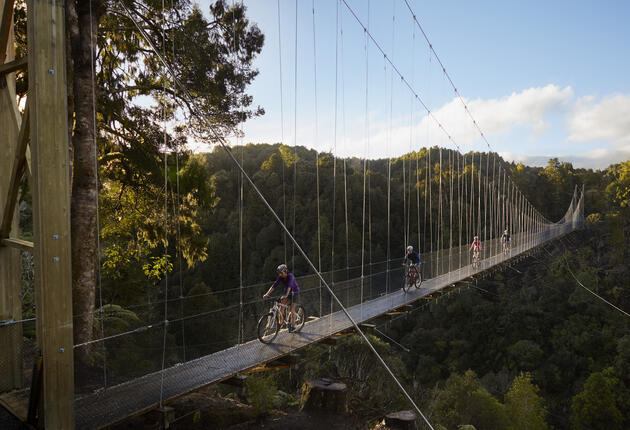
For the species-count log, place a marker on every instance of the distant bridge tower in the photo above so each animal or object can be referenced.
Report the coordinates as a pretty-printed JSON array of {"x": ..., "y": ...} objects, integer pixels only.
[{"x": 43, "y": 126}]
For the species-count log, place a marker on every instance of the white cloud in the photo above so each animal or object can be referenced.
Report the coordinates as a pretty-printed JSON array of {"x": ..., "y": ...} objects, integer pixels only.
[
  {"x": 496, "y": 116},
  {"x": 531, "y": 111},
  {"x": 607, "y": 120}
]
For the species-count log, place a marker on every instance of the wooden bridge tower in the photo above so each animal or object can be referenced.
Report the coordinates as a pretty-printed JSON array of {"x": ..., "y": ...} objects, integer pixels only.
[{"x": 43, "y": 126}]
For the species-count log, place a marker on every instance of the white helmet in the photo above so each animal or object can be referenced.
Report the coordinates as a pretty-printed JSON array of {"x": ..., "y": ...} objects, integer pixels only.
[
  {"x": 409, "y": 248},
  {"x": 476, "y": 237},
  {"x": 282, "y": 268}
]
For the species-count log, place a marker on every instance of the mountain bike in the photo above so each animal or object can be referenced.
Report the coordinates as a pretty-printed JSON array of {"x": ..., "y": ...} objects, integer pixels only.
[
  {"x": 278, "y": 316},
  {"x": 475, "y": 262},
  {"x": 506, "y": 246},
  {"x": 413, "y": 277}
]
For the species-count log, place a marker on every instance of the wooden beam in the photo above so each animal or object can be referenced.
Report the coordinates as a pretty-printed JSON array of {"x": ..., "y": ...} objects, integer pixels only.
[
  {"x": 329, "y": 341},
  {"x": 345, "y": 333},
  {"x": 36, "y": 391},
  {"x": 11, "y": 372},
  {"x": 367, "y": 328},
  {"x": 237, "y": 380},
  {"x": 5, "y": 28},
  {"x": 23, "y": 245},
  {"x": 17, "y": 170},
  {"x": 289, "y": 359},
  {"x": 266, "y": 368},
  {"x": 13, "y": 66},
  {"x": 51, "y": 207}
]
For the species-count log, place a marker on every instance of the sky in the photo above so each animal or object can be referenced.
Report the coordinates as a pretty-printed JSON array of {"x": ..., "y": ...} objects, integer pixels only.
[{"x": 541, "y": 79}]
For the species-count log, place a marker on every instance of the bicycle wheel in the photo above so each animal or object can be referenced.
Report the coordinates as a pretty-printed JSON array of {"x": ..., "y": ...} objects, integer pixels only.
[
  {"x": 268, "y": 328},
  {"x": 300, "y": 317},
  {"x": 413, "y": 276},
  {"x": 418, "y": 277},
  {"x": 406, "y": 278}
]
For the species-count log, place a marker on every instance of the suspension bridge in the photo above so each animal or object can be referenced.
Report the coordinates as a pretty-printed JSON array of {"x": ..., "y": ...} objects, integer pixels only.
[
  {"x": 472, "y": 193},
  {"x": 116, "y": 403}
]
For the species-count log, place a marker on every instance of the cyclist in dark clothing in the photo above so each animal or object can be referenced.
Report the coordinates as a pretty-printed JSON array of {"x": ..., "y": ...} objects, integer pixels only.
[
  {"x": 412, "y": 256},
  {"x": 291, "y": 291}
]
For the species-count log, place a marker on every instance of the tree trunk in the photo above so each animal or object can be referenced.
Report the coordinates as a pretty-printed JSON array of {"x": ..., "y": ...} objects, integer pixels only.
[
  {"x": 402, "y": 420},
  {"x": 82, "y": 27},
  {"x": 324, "y": 396}
]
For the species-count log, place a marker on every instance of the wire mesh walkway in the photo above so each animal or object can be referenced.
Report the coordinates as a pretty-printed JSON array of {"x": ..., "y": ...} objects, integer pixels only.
[{"x": 111, "y": 405}]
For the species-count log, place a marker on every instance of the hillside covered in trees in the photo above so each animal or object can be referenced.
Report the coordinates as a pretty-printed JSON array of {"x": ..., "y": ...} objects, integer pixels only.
[
  {"x": 529, "y": 335},
  {"x": 527, "y": 347}
]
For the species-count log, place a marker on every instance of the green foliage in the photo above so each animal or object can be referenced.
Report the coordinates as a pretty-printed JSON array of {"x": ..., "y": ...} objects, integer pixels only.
[
  {"x": 157, "y": 267},
  {"x": 356, "y": 364},
  {"x": 619, "y": 187},
  {"x": 260, "y": 392},
  {"x": 525, "y": 354},
  {"x": 524, "y": 407},
  {"x": 622, "y": 361},
  {"x": 463, "y": 400},
  {"x": 115, "y": 318},
  {"x": 146, "y": 225},
  {"x": 598, "y": 405}
]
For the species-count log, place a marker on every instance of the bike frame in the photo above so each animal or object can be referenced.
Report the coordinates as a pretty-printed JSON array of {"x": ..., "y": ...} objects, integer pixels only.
[{"x": 280, "y": 308}]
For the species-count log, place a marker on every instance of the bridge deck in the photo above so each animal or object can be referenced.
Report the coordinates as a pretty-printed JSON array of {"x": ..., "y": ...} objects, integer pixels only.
[{"x": 113, "y": 404}]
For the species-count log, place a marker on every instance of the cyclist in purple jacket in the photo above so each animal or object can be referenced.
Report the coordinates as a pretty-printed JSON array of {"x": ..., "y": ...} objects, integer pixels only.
[{"x": 291, "y": 292}]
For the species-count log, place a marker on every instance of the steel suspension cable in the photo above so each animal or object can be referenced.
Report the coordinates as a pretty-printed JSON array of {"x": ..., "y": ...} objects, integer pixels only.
[
  {"x": 165, "y": 331},
  {"x": 588, "y": 289},
  {"x": 479, "y": 203},
  {"x": 459, "y": 97},
  {"x": 407, "y": 180},
  {"x": 241, "y": 325},
  {"x": 295, "y": 161},
  {"x": 402, "y": 77},
  {"x": 431, "y": 226},
  {"x": 485, "y": 200},
  {"x": 438, "y": 244},
  {"x": 343, "y": 118},
  {"x": 451, "y": 170},
  {"x": 284, "y": 194},
  {"x": 417, "y": 186},
  {"x": 460, "y": 175},
  {"x": 367, "y": 146},
  {"x": 472, "y": 205},
  {"x": 495, "y": 192},
  {"x": 319, "y": 234},
  {"x": 389, "y": 172},
  {"x": 467, "y": 234}
]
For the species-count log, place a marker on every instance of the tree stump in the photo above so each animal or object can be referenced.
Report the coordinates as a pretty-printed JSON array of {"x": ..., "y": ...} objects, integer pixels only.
[
  {"x": 401, "y": 420},
  {"x": 324, "y": 396}
]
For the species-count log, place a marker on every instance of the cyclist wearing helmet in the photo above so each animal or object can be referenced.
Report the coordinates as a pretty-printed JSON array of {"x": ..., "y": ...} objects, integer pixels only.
[
  {"x": 412, "y": 256},
  {"x": 475, "y": 247},
  {"x": 506, "y": 237},
  {"x": 291, "y": 292}
]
